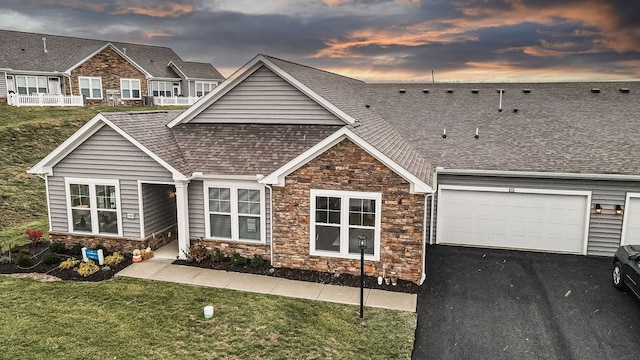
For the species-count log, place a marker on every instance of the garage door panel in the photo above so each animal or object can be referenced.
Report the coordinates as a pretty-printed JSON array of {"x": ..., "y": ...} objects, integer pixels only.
[
  {"x": 631, "y": 225},
  {"x": 531, "y": 221}
]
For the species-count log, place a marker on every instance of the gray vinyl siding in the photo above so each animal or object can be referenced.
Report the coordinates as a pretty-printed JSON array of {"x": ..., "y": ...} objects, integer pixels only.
[
  {"x": 105, "y": 155},
  {"x": 605, "y": 230},
  {"x": 3, "y": 84},
  {"x": 159, "y": 207},
  {"x": 196, "y": 209},
  {"x": 264, "y": 97},
  {"x": 197, "y": 216}
]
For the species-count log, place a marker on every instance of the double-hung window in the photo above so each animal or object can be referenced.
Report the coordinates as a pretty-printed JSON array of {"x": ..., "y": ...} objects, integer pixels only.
[
  {"x": 161, "y": 88},
  {"x": 93, "y": 206},
  {"x": 338, "y": 218},
  {"x": 130, "y": 88},
  {"x": 90, "y": 87},
  {"x": 235, "y": 212},
  {"x": 203, "y": 88},
  {"x": 29, "y": 85}
]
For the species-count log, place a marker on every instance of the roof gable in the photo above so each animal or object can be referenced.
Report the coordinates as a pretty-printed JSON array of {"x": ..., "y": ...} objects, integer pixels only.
[
  {"x": 245, "y": 72},
  {"x": 117, "y": 51},
  {"x": 264, "y": 97},
  {"x": 45, "y": 166}
]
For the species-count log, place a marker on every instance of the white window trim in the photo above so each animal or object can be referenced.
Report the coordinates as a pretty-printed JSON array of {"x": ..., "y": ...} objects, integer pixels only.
[
  {"x": 91, "y": 79},
  {"x": 94, "y": 207},
  {"x": 234, "y": 186},
  {"x": 212, "y": 85},
  {"x": 131, "y": 88},
  {"x": 344, "y": 223}
]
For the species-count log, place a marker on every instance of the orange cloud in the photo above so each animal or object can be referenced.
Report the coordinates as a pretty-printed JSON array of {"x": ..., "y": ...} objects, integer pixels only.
[
  {"x": 156, "y": 33},
  {"x": 163, "y": 10}
]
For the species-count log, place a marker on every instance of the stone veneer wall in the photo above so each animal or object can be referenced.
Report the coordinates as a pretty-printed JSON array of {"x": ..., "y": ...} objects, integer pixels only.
[
  {"x": 114, "y": 243},
  {"x": 111, "y": 67},
  {"x": 347, "y": 167},
  {"x": 245, "y": 249}
]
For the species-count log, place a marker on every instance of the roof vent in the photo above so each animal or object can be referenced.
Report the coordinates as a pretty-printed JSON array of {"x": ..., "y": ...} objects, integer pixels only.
[
  {"x": 367, "y": 106},
  {"x": 624, "y": 90},
  {"x": 44, "y": 44},
  {"x": 426, "y": 91},
  {"x": 475, "y": 91},
  {"x": 526, "y": 91},
  {"x": 450, "y": 91},
  {"x": 124, "y": 50},
  {"x": 500, "y": 90},
  {"x": 444, "y": 133},
  {"x": 515, "y": 110},
  {"x": 402, "y": 91},
  {"x": 595, "y": 90}
]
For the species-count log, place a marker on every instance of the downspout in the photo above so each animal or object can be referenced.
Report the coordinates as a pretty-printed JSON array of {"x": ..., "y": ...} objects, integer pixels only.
[
  {"x": 271, "y": 220},
  {"x": 424, "y": 237},
  {"x": 46, "y": 186}
]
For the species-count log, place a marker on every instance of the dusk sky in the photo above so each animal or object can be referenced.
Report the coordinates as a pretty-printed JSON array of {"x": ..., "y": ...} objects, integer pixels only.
[{"x": 372, "y": 40}]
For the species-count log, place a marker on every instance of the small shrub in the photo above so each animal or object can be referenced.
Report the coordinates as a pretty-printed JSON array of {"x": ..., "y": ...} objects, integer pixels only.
[
  {"x": 238, "y": 260},
  {"x": 146, "y": 253},
  {"x": 57, "y": 247},
  {"x": 257, "y": 261},
  {"x": 34, "y": 235},
  {"x": 23, "y": 259},
  {"x": 76, "y": 250},
  {"x": 88, "y": 268},
  {"x": 218, "y": 255},
  {"x": 70, "y": 263},
  {"x": 5, "y": 259},
  {"x": 113, "y": 259},
  {"x": 198, "y": 253},
  {"x": 50, "y": 258}
]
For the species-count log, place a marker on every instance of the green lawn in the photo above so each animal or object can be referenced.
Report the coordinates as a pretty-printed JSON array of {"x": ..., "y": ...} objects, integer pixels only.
[
  {"x": 27, "y": 134},
  {"x": 138, "y": 319}
]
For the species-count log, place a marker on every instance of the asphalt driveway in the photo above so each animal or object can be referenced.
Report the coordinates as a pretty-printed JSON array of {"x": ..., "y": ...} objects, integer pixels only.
[{"x": 500, "y": 304}]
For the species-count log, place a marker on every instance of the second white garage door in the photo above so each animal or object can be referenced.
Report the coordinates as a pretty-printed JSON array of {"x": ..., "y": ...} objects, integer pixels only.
[{"x": 526, "y": 219}]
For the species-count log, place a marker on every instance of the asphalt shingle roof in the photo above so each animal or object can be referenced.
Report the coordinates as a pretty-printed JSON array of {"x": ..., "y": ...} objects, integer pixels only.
[
  {"x": 25, "y": 51},
  {"x": 558, "y": 127},
  {"x": 198, "y": 70}
]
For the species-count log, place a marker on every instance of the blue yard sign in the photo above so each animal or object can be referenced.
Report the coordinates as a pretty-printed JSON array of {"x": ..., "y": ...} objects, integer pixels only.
[{"x": 92, "y": 254}]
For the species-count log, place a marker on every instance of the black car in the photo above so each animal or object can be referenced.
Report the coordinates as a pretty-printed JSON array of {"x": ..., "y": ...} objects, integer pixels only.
[{"x": 626, "y": 268}]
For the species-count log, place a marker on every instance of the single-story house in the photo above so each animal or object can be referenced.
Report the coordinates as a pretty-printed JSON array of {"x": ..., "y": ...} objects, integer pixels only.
[
  {"x": 294, "y": 163},
  {"x": 102, "y": 71}
]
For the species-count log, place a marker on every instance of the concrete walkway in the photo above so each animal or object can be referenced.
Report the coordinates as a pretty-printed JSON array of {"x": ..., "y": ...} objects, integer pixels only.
[{"x": 164, "y": 270}]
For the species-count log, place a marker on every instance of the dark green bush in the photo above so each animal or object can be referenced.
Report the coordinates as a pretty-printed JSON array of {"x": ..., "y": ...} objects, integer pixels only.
[
  {"x": 76, "y": 250},
  {"x": 218, "y": 255},
  {"x": 50, "y": 258},
  {"x": 57, "y": 247},
  {"x": 23, "y": 259},
  {"x": 238, "y": 260},
  {"x": 257, "y": 261}
]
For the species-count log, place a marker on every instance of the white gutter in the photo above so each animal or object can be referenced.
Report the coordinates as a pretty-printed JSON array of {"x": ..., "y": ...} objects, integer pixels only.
[{"x": 536, "y": 174}]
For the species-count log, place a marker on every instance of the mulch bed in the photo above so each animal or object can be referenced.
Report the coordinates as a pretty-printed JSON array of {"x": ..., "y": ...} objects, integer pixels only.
[
  {"x": 36, "y": 249},
  {"x": 370, "y": 282}
]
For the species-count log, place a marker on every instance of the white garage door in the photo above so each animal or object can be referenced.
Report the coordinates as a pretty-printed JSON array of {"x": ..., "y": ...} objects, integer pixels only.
[
  {"x": 631, "y": 221},
  {"x": 524, "y": 219}
]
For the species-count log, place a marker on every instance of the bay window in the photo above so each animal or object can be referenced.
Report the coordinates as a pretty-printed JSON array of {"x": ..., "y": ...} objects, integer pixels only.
[
  {"x": 339, "y": 217},
  {"x": 235, "y": 212},
  {"x": 93, "y": 206}
]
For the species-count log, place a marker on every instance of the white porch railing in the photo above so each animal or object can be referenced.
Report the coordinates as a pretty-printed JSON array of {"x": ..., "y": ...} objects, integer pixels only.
[
  {"x": 175, "y": 100},
  {"x": 45, "y": 100}
]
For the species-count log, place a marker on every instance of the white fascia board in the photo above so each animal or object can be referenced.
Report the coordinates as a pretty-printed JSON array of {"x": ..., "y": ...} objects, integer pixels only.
[
  {"x": 200, "y": 176},
  {"x": 538, "y": 174},
  {"x": 45, "y": 166},
  {"x": 276, "y": 178},
  {"x": 123, "y": 55},
  {"x": 243, "y": 73},
  {"x": 32, "y": 72}
]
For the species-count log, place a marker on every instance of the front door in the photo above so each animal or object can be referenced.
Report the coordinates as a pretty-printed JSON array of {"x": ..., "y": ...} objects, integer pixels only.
[
  {"x": 176, "y": 90},
  {"x": 54, "y": 85}
]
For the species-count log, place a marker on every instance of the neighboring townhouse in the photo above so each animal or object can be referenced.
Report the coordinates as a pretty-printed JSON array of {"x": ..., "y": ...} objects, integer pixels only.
[
  {"x": 294, "y": 163},
  {"x": 103, "y": 72}
]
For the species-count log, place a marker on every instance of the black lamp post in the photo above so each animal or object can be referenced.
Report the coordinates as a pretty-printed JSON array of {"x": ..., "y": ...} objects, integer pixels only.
[{"x": 362, "y": 243}]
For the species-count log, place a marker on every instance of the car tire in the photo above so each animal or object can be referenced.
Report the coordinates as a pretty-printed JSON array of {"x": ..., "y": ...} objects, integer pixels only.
[{"x": 616, "y": 275}]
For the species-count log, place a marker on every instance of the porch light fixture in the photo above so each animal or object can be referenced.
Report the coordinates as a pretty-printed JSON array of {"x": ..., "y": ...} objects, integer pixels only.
[
  {"x": 598, "y": 209},
  {"x": 619, "y": 210},
  {"x": 362, "y": 244}
]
